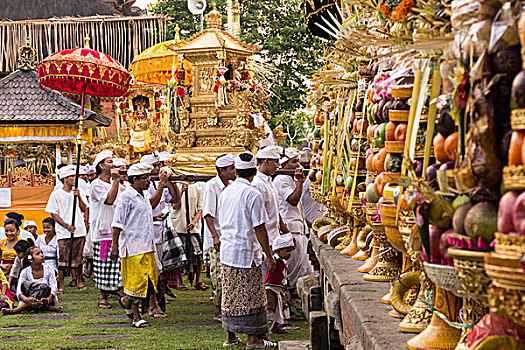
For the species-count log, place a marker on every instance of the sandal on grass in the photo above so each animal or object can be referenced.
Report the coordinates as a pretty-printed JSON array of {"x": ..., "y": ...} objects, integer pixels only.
[
  {"x": 73, "y": 283},
  {"x": 128, "y": 311},
  {"x": 201, "y": 286},
  {"x": 104, "y": 305},
  {"x": 157, "y": 314},
  {"x": 171, "y": 294},
  {"x": 278, "y": 331},
  {"x": 235, "y": 342},
  {"x": 84, "y": 287},
  {"x": 183, "y": 287},
  {"x": 140, "y": 324},
  {"x": 265, "y": 344}
]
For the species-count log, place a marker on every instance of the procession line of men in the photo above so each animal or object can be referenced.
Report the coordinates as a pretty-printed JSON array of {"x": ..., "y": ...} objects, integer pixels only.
[
  {"x": 243, "y": 216},
  {"x": 244, "y": 212}
]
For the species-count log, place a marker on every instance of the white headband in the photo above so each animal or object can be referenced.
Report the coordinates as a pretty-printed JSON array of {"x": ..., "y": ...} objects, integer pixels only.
[
  {"x": 138, "y": 169},
  {"x": 240, "y": 164},
  {"x": 283, "y": 241},
  {"x": 225, "y": 160}
]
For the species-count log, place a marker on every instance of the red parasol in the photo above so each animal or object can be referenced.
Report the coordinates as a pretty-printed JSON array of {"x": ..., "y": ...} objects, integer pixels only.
[{"x": 83, "y": 71}]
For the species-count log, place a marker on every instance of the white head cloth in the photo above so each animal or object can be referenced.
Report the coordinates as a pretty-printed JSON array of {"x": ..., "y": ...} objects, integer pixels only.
[
  {"x": 29, "y": 223},
  {"x": 225, "y": 160},
  {"x": 90, "y": 169},
  {"x": 269, "y": 152},
  {"x": 164, "y": 156},
  {"x": 283, "y": 241},
  {"x": 289, "y": 153},
  {"x": 119, "y": 162},
  {"x": 66, "y": 171},
  {"x": 102, "y": 156},
  {"x": 138, "y": 169},
  {"x": 149, "y": 159},
  {"x": 83, "y": 170},
  {"x": 240, "y": 164}
]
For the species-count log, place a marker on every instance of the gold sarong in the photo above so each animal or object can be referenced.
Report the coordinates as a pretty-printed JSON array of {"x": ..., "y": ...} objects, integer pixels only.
[{"x": 136, "y": 271}]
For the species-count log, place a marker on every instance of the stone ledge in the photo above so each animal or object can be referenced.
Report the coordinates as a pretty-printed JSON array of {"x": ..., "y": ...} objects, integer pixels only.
[{"x": 361, "y": 300}]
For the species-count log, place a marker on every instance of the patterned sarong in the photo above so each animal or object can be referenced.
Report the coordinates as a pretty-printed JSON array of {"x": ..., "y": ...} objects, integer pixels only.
[
  {"x": 243, "y": 300},
  {"x": 215, "y": 276},
  {"x": 106, "y": 272}
]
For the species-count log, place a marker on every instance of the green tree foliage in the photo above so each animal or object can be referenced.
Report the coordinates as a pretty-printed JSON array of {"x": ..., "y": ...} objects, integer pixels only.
[{"x": 275, "y": 25}]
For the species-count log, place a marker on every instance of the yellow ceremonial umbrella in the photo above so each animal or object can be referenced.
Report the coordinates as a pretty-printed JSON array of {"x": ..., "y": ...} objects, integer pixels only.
[{"x": 157, "y": 64}]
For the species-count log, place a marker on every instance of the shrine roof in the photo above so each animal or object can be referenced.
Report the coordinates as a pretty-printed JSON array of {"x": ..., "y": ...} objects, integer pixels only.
[
  {"x": 22, "y": 101},
  {"x": 214, "y": 38}
]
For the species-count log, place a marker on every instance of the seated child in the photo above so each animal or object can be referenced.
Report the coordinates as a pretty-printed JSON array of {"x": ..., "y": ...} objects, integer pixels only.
[
  {"x": 20, "y": 248},
  {"x": 48, "y": 243},
  {"x": 37, "y": 285},
  {"x": 275, "y": 282}
]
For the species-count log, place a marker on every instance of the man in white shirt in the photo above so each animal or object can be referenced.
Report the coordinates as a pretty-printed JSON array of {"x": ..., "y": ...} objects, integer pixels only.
[
  {"x": 102, "y": 202},
  {"x": 170, "y": 195},
  {"x": 268, "y": 162},
  {"x": 184, "y": 217},
  {"x": 290, "y": 190},
  {"x": 243, "y": 240},
  {"x": 210, "y": 210},
  {"x": 312, "y": 210},
  {"x": 133, "y": 240},
  {"x": 60, "y": 206}
]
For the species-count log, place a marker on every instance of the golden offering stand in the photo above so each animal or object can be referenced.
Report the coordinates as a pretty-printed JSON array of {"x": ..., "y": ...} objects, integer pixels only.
[
  {"x": 420, "y": 314},
  {"x": 388, "y": 266},
  {"x": 221, "y": 101}
]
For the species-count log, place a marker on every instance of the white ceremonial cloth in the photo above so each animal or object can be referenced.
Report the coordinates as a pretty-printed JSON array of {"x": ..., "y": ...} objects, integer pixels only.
[
  {"x": 178, "y": 216},
  {"x": 292, "y": 215},
  {"x": 50, "y": 250},
  {"x": 242, "y": 209},
  {"x": 312, "y": 210},
  {"x": 134, "y": 216},
  {"x": 159, "y": 226},
  {"x": 61, "y": 203},
  {"x": 49, "y": 278},
  {"x": 263, "y": 183},
  {"x": 213, "y": 190},
  {"x": 101, "y": 214}
]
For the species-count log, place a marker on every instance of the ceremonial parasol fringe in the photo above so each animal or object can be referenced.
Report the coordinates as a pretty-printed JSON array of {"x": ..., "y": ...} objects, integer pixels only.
[{"x": 116, "y": 36}]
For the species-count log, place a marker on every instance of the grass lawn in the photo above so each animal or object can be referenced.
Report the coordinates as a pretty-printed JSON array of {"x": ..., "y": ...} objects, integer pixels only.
[{"x": 83, "y": 325}]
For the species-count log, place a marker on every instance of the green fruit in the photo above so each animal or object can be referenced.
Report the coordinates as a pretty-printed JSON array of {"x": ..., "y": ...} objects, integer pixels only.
[
  {"x": 348, "y": 183},
  {"x": 459, "y": 201},
  {"x": 317, "y": 133},
  {"x": 482, "y": 221},
  {"x": 371, "y": 195},
  {"x": 379, "y": 135}
]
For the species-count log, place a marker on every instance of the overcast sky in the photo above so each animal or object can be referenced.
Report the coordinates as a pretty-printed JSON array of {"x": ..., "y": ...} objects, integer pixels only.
[{"x": 144, "y": 3}]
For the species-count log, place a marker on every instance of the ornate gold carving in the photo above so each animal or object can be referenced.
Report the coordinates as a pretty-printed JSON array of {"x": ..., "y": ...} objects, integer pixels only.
[
  {"x": 212, "y": 116},
  {"x": 388, "y": 266},
  {"x": 183, "y": 140},
  {"x": 509, "y": 245},
  {"x": 509, "y": 302},
  {"x": 206, "y": 81},
  {"x": 43, "y": 181},
  {"x": 21, "y": 177},
  {"x": 471, "y": 273},
  {"x": 4, "y": 181},
  {"x": 514, "y": 177}
]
